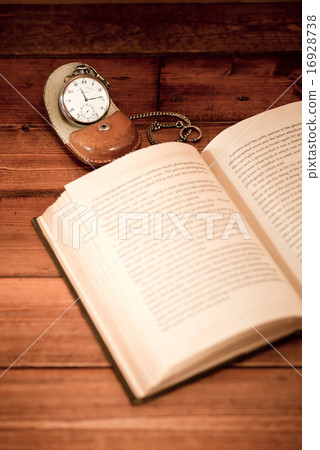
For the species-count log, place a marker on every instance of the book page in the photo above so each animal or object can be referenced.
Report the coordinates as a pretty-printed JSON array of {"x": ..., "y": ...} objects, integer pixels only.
[
  {"x": 258, "y": 161},
  {"x": 187, "y": 263},
  {"x": 162, "y": 228}
]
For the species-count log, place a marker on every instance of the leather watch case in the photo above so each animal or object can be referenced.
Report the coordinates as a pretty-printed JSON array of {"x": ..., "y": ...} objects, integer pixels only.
[{"x": 95, "y": 144}]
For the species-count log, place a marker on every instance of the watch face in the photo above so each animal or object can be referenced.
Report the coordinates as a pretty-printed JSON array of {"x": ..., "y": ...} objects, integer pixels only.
[{"x": 84, "y": 99}]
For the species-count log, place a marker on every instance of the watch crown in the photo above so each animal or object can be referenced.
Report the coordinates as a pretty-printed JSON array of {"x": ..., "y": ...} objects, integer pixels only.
[{"x": 83, "y": 69}]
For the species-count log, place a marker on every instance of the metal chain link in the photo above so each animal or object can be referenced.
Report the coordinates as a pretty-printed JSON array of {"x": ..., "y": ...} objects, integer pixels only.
[{"x": 184, "y": 124}]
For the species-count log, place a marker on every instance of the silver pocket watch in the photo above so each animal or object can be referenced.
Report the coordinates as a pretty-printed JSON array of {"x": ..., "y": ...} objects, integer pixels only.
[{"x": 84, "y": 98}]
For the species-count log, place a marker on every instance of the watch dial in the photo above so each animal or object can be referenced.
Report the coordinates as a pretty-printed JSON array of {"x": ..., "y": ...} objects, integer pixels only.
[{"x": 85, "y": 99}]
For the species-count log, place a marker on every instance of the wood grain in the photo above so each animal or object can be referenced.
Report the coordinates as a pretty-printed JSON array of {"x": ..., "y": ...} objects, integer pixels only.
[
  {"x": 223, "y": 88},
  {"x": 61, "y": 2},
  {"x": 41, "y": 30},
  {"x": 232, "y": 408},
  {"x": 238, "y": 433},
  {"x": 133, "y": 81},
  {"x": 22, "y": 253},
  {"x": 34, "y": 161},
  {"x": 217, "y": 63},
  {"x": 30, "y": 305},
  {"x": 96, "y": 393},
  {"x": 205, "y": 88}
]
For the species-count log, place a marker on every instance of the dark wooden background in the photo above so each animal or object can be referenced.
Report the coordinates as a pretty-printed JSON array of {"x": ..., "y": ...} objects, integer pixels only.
[{"x": 216, "y": 63}]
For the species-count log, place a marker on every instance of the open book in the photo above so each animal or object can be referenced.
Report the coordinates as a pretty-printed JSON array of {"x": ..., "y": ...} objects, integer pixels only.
[{"x": 184, "y": 261}]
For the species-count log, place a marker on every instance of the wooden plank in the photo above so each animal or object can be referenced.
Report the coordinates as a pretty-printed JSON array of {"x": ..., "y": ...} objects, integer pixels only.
[
  {"x": 266, "y": 435},
  {"x": 42, "y": 30},
  {"x": 207, "y": 88},
  {"x": 225, "y": 88},
  {"x": 133, "y": 81},
  {"x": 97, "y": 391},
  {"x": 21, "y": 140},
  {"x": 35, "y": 162},
  {"x": 86, "y": 408},
  {"x": 30, "y": 305},
  {"x": 21, "y": 252},
  {"x": 108, "y": 2}
]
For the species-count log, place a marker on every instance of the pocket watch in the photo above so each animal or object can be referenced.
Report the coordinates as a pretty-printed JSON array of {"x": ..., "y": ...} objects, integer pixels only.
[
  {"x": 89, "y": 123},
  {"x": 84, "y": 98}
]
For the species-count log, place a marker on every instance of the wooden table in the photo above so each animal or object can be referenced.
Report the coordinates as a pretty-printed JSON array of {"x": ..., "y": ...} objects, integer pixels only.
[{"x": 216, "y": 63}]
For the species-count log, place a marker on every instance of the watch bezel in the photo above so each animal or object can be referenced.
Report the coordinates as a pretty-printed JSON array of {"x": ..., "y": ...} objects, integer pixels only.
[{"x": 63, "y": 107}]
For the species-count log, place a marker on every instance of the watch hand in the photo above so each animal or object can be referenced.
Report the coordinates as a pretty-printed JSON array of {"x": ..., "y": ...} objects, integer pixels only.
[
  {"x": 84, "y": 95},
  {"x": 93, "y": 98}
]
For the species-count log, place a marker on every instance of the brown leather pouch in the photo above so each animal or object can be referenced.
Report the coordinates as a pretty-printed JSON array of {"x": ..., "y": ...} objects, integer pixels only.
[{"x": 96, "y": 144}]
